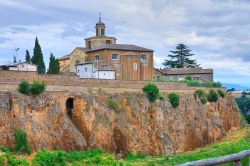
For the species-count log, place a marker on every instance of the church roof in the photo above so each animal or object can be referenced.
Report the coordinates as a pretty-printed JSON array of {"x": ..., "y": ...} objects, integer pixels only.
[
  {"x": 68, "y": 56},
  {"x": 127, "y": 47},
  {"x": 185, "y": 71}
]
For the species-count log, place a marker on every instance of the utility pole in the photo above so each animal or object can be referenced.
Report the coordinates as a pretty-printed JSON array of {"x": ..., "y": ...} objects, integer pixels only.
[{"x": 16, "y": 56}]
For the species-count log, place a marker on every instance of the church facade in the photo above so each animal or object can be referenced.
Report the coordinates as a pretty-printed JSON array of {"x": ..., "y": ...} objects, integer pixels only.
[{"x": 121, "y": 61}]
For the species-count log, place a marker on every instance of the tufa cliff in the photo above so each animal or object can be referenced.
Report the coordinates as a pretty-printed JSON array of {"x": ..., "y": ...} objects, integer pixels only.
[{"x": 129, "y": 123}]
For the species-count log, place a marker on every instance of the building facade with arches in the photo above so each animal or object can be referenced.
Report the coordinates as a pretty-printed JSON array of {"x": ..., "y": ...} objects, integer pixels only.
[{"x": 122, "y": 61}]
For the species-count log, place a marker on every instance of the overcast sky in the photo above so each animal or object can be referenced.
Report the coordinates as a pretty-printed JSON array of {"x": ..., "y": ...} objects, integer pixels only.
[{"x": 217, "y": 31}]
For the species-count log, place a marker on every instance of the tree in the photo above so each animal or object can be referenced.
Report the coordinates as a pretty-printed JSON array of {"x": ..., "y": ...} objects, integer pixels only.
[
  {"x": 27, "y": 56},
  {"x": 37, "y": 58},
  {"x": 14, "y": 59},
  {"x": 180, "y": 57},
  {"x": 54, "y": 66}
]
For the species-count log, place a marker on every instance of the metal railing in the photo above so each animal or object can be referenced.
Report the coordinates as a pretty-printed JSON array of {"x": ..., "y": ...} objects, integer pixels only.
[{"x": 235, "y": 158}]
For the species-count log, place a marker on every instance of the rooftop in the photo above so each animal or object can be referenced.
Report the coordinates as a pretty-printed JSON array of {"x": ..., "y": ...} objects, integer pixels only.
[
  {"x": 128, "y": 47},
  {"x": 184, "y": 71}
]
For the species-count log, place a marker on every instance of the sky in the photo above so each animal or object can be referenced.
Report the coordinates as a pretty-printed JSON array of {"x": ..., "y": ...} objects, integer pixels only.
[{"x": 217, "y": 31}]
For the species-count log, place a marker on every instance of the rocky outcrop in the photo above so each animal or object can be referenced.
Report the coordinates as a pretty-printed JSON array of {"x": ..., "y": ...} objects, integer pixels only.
[{"x": 134, "y": 125}]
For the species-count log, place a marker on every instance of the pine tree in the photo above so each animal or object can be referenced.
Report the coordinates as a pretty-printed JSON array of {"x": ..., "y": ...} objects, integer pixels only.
[
  {"x": 180, "y": 57},
  {"x": 27, "y": 56},
  {"x": 54, "y": 66},
  {"x": 14, "y": 59},
  {"x": 37, "y": 58}
]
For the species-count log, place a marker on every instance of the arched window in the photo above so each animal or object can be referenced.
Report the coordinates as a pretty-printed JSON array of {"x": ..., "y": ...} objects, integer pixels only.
[
  {"x": 143, "y": 57},
  {"x": 102, "y": 31}
]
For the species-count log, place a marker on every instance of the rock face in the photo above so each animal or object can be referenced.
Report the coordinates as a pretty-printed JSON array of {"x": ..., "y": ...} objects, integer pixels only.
[{"x": 128, "y": 124}]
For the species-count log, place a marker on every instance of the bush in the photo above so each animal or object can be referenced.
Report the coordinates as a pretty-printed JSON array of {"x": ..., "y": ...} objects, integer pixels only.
[
  {"x": 152, "y": 91},
  {"x": 212, "y": 96},
  {"x": 199, "y": 93},
  {"x": 221, "y": 93},
  {"x": 203, "y": 100},
  {"x": 248, "y": 118},
  {"x": 174, "y": 99},
  {"x": 24, "y": 88},
  {"x": 112, "y": 103},
  {"x": 188, "y": 78},
  {"x": 37, "y": 88},
  {"x": 21, "y": 142}
]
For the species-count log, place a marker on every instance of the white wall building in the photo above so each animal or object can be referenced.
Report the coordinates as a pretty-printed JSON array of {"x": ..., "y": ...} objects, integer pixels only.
[
  {"x": 22, "y": 67},
  {"x": 88, "y": 70}
]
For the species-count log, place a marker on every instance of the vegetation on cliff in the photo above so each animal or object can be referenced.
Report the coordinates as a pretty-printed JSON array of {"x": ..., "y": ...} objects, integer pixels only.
[
  {"x": 233, "y": 143},
  {"x": 33, "y": 89},
  {"x": 152, "y": 91}
]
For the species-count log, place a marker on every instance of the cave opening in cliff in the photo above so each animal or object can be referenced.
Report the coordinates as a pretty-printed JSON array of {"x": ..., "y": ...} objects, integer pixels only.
[{"x": 69, "y": 106}]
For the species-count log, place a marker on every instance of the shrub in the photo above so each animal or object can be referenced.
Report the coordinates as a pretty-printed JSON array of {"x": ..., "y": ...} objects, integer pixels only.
[
  {"x": 188, "y": 78},
  {"x": 152, "y": 91},
  {"x": 212, "y": 96},
  {"x": 21, "y": 142},
  {"x": 199, "y": 93},
  {"x": 112, "y": 103},
  {"x": 174, "y": 99},
  {"x": 24, "y": 87},
  {"x": 248, "y": 118},
  {"x": 37, "y": 88},
  {"x": 221, "y": 93},
  {"x": 203, "y": 100}
]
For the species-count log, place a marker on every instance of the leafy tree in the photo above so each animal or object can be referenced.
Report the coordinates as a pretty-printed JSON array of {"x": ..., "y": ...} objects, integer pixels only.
[
  {"x": 38, "y": 58},
  {"x": 24, "y": 87},
  {"x": 27, "y": 56},
  {"x": 174, "y": 99},
  {"x": 54, "y": 65},
  {"x": 180, "y": 57}
]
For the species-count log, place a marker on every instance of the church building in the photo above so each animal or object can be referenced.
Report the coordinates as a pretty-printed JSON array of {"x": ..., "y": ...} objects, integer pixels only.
[{"x": 103, "y": 58}]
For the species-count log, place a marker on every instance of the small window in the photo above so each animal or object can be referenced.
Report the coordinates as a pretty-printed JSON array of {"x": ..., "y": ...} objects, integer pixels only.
[
  {"x": 143, "y": 57},
  {"x": 108, "y": 41},
  {"x": 114, "y": 56},
  {"x": 97, "y": 57},
  {"x": 77, "y": 71},
  {"x": 86, "y": 69},
  {"x": 134, "y": 66},
  {"x": 102, "y": 32}
]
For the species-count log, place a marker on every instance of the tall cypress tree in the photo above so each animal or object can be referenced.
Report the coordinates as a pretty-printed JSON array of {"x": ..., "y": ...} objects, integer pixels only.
[
  {"x": 27, "y": 56},
  {"x": 54, "y": 66},
  {"x": 180, "y": 57},
  {"x": 38, "y": 58}
]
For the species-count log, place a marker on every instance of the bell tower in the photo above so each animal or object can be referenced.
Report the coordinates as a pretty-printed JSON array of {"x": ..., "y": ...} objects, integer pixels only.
[{"x": 100, "y": 27}]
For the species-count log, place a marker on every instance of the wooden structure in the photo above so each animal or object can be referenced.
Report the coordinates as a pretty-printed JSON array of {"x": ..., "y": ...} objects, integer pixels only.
[{"x": 235, "y": 158}]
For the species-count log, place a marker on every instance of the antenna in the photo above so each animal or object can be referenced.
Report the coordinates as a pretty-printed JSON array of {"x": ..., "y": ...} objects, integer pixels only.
[
  {"x": 100, "y": 17},
  {"x": 16, "y": 56}
]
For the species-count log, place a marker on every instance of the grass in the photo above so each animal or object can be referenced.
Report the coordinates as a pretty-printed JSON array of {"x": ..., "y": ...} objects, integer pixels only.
[{"x": 234, "y": 142}]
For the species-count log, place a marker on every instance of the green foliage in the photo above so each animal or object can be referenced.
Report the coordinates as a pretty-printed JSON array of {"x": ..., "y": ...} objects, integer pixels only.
[
  {"x": 133, "y": 156},
  {"x": 203, "y": 100},
  {"x": 54, "y": 65},
  {"x": 221, "y": 93},
  {"x": 243, "y": 104},
  {"x": 152, "y": 91},
  {"x": 201, "y": 95},
  {"x": 21, "y": 142},
  {"x": 24, "y": 87},
  {"x": 1, "y": 160},
  {"x": 180, "y": 57},
  {"x": 89, "y": 157},
  {"x": 37, "y": 58},
  {"x": 27, "y": 56},
  {"x": 174, "y": 99},
  {"x": 188, "y": 78},
  {"x": 248, "y": 118},
  {"x": 112, "y": 103},
  {"x": 37, "y": 88},
  {"x": 212, "y": 96},
  {"x": 4, "y": 149}
]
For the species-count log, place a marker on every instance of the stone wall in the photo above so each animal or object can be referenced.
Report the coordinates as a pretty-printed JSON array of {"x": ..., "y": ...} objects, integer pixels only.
[{"x": 10, "y": 77}]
